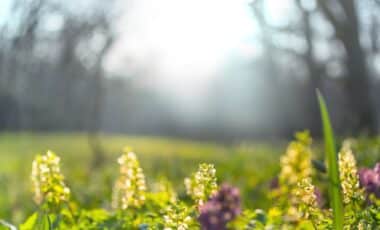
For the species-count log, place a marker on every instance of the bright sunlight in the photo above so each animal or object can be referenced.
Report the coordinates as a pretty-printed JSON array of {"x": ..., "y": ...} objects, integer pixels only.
[{"x": 188, "y": 40}]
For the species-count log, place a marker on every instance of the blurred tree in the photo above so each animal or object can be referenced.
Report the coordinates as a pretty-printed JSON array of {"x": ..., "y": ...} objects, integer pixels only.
[
  {"x": 51, "y": 59},
  {"x": 270, "y": 65},
  {"x": 96, "y": 108},
  {"x": 52, "y": 75},
  {"x": 344, "y": 19},
  {"x": 304, "y": 31}
]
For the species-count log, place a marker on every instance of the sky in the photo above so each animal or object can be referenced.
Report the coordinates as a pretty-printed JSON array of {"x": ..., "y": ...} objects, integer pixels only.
[
  {"x": 4, "y": 10},
  {"x": 184, "y": 43},
  {"x": 184, "y": 34},
  {"x": 189, "y": 42}
]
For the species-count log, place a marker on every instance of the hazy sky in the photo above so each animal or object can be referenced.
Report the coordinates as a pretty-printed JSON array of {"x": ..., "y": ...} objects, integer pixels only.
[
  {"x": 4, "y": 9},
  {"x": 184, "y": 44},
  {"x": 184, "y": 34},
  {"x": 187, "y": 40}
]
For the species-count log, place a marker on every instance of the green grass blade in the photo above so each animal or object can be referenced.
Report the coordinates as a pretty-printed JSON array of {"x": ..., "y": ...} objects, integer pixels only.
[{"x": 332, "y": 163}]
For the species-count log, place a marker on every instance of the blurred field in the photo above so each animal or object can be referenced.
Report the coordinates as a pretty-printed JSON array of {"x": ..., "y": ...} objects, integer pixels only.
[{"x": 250, "y": 166}]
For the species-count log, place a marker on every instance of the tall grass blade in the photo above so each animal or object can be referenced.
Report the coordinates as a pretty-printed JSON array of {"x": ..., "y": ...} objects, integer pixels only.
[{"x": 332, "y": 165}]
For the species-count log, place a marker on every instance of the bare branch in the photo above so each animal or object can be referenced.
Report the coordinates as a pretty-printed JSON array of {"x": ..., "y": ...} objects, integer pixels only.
[{"x": 327, "y": 12}]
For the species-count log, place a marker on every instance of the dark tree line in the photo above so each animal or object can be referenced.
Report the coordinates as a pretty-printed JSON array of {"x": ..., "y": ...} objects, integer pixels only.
[{"x": 51, "y": 78}]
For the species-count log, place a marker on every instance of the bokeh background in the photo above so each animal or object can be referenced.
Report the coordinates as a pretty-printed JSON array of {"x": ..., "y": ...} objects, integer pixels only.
[
  {"x": 201, "y": 69},
  {"x": 181, "y": 82}
]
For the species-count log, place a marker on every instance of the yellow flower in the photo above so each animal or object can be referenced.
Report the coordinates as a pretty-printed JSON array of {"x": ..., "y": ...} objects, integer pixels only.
[
  {"x": 201, "y": 185},
  {"x": 177, "y": 217},
  {"x": 48, "y": 182},
  {"x": 349, "y": 175},
  {"x": 306, "y": 194},
  {"x": 274, "y": 212},
  {"x": 129, "y": 189},
  {"x": 296, "y": 164}
]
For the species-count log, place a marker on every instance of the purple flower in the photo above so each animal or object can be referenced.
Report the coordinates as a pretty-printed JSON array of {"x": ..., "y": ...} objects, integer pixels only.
[
  {"x": 221, "y": 208},
  {"x": 319, "y": 196},
  {"x": 370, "y": 180}
]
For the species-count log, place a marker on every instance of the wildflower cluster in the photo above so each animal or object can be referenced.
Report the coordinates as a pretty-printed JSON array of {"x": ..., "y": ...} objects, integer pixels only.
[
  {"x": 295, "y": 166},
  {"x": 309, "y": 207},
  {"x": 222, "y": 207},
  {"x": 296, "y": 200},
  {"x": 50, "y": 190},
  {"x": 349, "y": 176},
  {"x": 306, "y": 194},
  {"x": 355, "y": 216},
  {"x": 129, "y": 189},
  {"x": 177, "y": 217},
  {"x": 296, "y": 163},
  {"x": 202, "y": 184}
]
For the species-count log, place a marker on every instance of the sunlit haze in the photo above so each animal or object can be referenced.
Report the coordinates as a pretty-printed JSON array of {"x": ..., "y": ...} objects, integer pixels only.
[{"x": 187, "y": 41}]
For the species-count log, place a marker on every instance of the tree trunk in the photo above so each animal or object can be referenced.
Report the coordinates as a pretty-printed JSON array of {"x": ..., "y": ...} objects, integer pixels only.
[
  {"x": 347, "y": 31},
  {"x": 96, "y": 110},
  {"x": 358, "y": 79},
  {"x": 358, "y": 87},
  {"x": 314, "y": 73},
  {"x": 94, "y": 127}
]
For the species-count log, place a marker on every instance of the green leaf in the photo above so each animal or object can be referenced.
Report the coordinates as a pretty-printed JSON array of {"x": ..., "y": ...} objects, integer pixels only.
[
  {"x": 332, "y": 166},
  {"x": 30, "y": 223},
  {"x": 305, "y": 225},
  {"x": 38, "y": 221}
]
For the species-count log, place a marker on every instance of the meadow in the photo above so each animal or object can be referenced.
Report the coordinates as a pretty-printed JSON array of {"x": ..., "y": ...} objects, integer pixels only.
[{"x": 250, "y": 166}]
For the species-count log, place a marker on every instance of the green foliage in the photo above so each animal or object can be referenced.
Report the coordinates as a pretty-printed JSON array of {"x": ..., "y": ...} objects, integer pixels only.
[
  {"x": 253, "y": 219},
  {"x": 41, "y": 221},
  {"x": 332, "y": 163},
  {"x": 248, "y": 165},
  {"x": 30, "y": 222},
  {"x": 179, "y": 216},
  {"x": 167, "y": 205}
]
